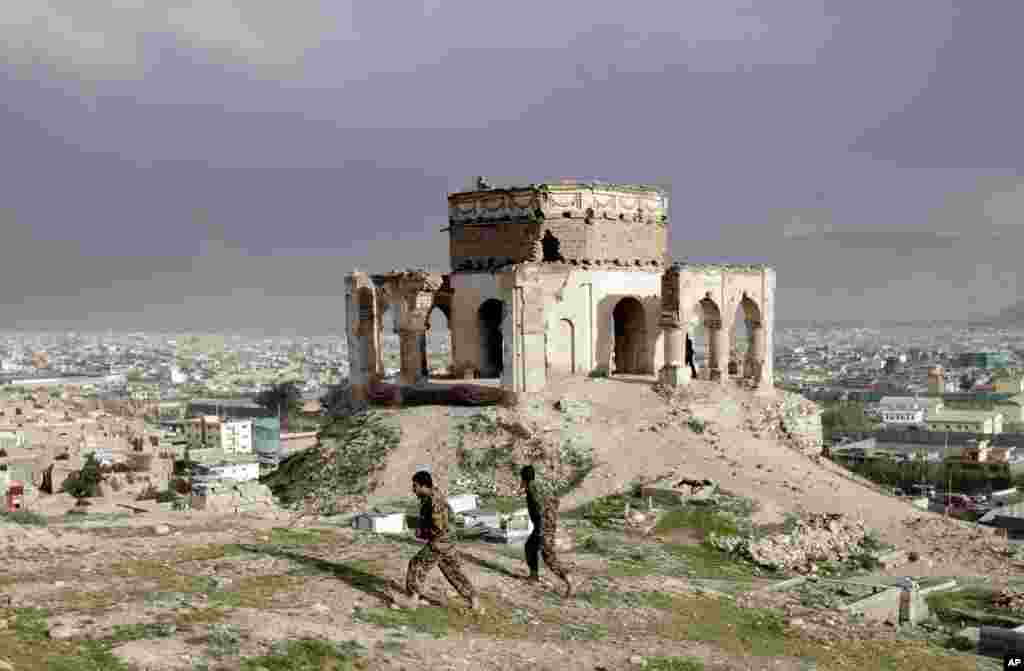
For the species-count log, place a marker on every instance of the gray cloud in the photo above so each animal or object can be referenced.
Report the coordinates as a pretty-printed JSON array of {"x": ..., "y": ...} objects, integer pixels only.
[{"x": 106, "y": 39}]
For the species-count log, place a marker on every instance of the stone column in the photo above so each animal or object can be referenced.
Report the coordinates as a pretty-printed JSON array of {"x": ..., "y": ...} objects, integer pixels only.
[
  {"x": 718, "y": 351},
  {"x": 411, "y": 343},
  {"x": 755, "y": 355},
  {"x": 674, "y": 373}
]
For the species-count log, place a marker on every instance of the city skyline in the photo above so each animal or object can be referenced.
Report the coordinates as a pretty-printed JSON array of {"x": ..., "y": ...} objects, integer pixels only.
[{"x": 207, "y": 170}]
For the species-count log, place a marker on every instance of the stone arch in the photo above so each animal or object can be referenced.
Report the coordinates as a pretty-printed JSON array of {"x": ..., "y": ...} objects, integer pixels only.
[
  {"x": 437, "y": 351},
  {"x": 490, "y": 317},
  {"x": 561, "y": 348},
  {"x": 387, "y": 337},
  {"x": 704, "y": 328},
  {"x": 368, "y": 355},
  {"x": 630, "y": 331},
  {"x": 746, "y": 339}
]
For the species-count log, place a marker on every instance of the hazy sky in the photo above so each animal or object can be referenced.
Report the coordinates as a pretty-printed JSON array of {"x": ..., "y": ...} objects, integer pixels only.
[{"x": 225, "y": 163}]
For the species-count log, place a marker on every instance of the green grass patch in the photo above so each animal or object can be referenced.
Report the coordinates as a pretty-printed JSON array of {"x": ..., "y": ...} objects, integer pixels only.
[
  {"x": 24, "y": 517},
  {"x": 707, "y": 562},
  {"x": 630, "y": 559},
  {"x": 223, "y": 640},
  {"x": 260, "y": 591},
  {"x": 285, "y": 536},
  {"x": 764, "y": 633},
  {"x": 90, "y": 656},
  {"x": 605, "y": 598},
  {"x": 601, "y": 511},
  {"x": 743, "y": 631},
  {"x": 503, "y": 504},
  {"x": 141, "y": 631},
  {"x": 674, "y": 664},
  {"x": 89, "y": 601},
  {"x": 698, "y": 518},
  {"x": 30, "y": 624},
  {"x": 583, "y": 632},
  {"x": 973, "y": 606},
  {"x": 431, "y": 620},
  {"x": 309, "y": 654}
]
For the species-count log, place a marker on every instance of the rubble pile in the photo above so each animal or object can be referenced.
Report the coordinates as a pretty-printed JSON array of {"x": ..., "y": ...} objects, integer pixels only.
[
  {"x": 240, "y": 496},
  {"x": 1009, "y": 599},
  {"x": 817, "y": 538},
  {"x": 793, "y": 420}
]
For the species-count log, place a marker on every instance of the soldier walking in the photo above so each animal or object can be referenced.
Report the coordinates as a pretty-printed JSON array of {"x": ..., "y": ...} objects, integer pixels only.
[
  {"x": 543, "y": 509},
  {"x": 435, "y": 527},
  {"x": 689, "y": 356}
]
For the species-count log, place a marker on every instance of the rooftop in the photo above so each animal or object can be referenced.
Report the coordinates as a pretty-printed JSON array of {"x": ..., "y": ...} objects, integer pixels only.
[
  {"x": 566, "y": 185},
  {"x": 965, "y": 416}
]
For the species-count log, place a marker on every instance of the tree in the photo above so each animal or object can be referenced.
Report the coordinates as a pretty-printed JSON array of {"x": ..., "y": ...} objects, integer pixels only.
[
  {"x": 283, "y": 398},
  {"x": 349, "y": 453},
  {"x": 845, "y": 416},
  {"x": 86, "y": 483},
  {"x": 966, "y": 382}
]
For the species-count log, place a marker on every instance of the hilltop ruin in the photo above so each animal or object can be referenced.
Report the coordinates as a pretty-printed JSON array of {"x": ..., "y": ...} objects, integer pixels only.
[{"x": 565, "y": 279}]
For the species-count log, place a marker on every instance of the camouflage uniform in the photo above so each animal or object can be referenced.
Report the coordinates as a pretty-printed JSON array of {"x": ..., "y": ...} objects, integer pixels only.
[
  {"x": 543, "y": 508},
  {"x": 435, "y": 525}
]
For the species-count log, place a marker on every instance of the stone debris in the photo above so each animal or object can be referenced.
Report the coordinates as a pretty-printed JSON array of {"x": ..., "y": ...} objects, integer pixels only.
[
  {"x": 1009, "y": 599},
  {"x": 793, "y": 420},
  {"x": 817, "y": 538}
]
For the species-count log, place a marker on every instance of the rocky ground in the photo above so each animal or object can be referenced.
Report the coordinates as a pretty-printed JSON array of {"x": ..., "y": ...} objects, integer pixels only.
[{"x": 114, "y": 589}]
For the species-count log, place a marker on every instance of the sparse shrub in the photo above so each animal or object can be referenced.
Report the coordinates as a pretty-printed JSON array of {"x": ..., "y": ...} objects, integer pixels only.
[
  {"x": 696, "y": 424},
  {"x": 115, "y": 484},
  {"x": 167, "y": 496},
  {"x": 150, "y": 493},
  {"x": 350, "y": 451},
  {"x": 24, "y": 517},
  {"x": 223, "y": 640},
  {"x": 86, "y": 483}
]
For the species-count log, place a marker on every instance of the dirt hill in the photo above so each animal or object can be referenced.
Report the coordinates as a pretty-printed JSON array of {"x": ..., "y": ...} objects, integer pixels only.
[
  {"x": 636, "y": 434},
  {"x": 115, "y": 591}
]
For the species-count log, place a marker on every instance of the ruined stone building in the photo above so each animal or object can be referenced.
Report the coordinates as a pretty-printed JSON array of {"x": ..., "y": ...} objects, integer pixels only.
[{"x": 565, "y": 279}]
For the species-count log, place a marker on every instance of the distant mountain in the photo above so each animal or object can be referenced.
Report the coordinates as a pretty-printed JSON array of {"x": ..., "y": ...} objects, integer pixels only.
[{"x": 868, "y": 323}]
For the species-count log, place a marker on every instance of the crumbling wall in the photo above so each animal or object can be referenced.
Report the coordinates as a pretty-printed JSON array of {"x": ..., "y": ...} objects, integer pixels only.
[{"x": 794, "y": 420}]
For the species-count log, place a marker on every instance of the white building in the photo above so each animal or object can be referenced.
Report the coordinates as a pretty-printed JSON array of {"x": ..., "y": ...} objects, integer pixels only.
[
  {"x": 234, "y": 436},
  {"x": 902, "y": 410},
  {"x": 243, "y": 472},
  {"x": 177, "y": 376}
]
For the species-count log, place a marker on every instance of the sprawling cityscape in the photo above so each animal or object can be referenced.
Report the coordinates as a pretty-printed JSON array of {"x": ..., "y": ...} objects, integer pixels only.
[{"x": 368, "y": 336}]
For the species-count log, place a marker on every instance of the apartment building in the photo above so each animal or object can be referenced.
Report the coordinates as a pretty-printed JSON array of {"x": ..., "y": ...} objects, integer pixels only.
[{"x": 233, "y": 436}]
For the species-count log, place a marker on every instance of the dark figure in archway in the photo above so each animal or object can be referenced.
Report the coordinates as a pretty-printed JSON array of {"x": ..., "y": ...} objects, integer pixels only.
[
  {"x": 550, "y": 244},
  {"x": 689, "y": 356},
  {"x": 491, "y": 338}
]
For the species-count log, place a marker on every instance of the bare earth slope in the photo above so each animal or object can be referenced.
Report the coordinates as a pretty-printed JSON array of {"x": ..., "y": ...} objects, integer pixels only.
[{"x": 778, "y": 477}]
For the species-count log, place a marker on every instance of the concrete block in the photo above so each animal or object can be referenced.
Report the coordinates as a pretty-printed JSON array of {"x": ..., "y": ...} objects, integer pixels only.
[
  {"x": 380, "y": 523},
  {"x": 463, "y": 502},
  {"x": 486, "y": 518},
  {"x": 878, "y": 608}
]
